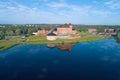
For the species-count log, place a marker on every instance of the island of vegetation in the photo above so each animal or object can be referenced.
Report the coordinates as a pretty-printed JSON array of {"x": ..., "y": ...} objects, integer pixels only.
[{"x": 12, "y": 35}]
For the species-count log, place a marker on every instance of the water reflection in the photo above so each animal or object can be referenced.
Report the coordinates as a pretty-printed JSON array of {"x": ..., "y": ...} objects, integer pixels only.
[
  {"x": 62, "y": 46},
  {"x": 99, "y": 60},
  {"x": 117, "y": 38}
]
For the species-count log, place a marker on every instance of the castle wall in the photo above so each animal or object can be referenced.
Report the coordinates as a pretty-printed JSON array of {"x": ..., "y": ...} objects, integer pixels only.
[
  {"x": 91, "y": 30},
  {"x": 51, "y": 37},
  {"x": 42, "y": 32},
  {"x": 64, "y": 30}
]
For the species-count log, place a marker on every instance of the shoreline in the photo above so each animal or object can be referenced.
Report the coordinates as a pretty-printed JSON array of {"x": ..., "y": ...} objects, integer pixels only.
[{"x": 36, "y": 40}]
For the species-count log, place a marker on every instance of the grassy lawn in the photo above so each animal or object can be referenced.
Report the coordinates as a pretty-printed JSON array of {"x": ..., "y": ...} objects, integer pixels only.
[
  {"x": 42, "y": 40},
  {"x": 5, "y": 44},
  {"x": 33, "y": 40}
]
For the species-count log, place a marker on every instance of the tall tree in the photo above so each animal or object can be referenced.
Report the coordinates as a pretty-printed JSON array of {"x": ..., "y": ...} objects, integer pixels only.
[
  {"x": 17, "y": 31},
  {"x": 2, "y": 35},
  {"x": 30, "y": 31}
]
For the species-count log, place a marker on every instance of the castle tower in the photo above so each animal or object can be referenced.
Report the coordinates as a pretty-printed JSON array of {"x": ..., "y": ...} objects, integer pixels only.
[
  {"x": 70, "y": 25},
  {"x": 70, "y": 28}
]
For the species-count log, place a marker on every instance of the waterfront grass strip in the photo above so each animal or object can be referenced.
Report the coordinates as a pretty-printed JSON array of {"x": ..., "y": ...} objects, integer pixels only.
[{"x": 33, "y": 40}]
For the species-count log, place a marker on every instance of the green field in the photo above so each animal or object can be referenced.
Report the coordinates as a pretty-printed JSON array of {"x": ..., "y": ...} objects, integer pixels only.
[{"x": 34, "y": 40}]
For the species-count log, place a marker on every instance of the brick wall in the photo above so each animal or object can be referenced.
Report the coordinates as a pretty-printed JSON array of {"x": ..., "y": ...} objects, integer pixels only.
[
  {"x": 91, "y": 30},
  {"x": 42, "y": 32},
  {"x": 64, "y": 30}
]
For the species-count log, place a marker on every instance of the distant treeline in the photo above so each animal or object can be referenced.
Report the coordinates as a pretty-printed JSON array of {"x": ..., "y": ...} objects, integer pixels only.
[
  {"x": 100, "y": 28},
  {"x": 16, "y": 30}
]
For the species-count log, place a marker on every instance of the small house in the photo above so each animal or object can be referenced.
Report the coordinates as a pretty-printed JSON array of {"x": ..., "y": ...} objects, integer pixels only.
[
  {"x": 23, "y": 35},
  {"x": 92, "y": 30}
]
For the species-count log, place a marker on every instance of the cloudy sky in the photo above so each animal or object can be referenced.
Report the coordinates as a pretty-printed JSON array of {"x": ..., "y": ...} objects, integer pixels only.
[{"x": 60, "y": 11}]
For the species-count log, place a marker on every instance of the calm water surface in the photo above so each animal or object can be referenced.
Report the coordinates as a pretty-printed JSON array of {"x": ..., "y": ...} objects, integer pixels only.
[{"x": 99, "y": 60}]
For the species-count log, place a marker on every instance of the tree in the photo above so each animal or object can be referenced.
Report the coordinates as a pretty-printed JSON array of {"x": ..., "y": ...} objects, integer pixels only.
[
  {"x": 9, "y": 33},
  {"x": 30, "y": 31},
  {"x": 2, "y": 35},
  {"x": 17, "y": 31},
  {"x": 119, "y": 35}
]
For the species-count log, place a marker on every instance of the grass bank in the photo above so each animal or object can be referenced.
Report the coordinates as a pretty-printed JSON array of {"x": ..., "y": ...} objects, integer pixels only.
[{"x": 33, "y": 40}]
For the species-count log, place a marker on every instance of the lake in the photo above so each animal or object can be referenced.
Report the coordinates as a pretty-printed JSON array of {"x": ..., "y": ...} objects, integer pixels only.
[{"x": 99, "y": 60}]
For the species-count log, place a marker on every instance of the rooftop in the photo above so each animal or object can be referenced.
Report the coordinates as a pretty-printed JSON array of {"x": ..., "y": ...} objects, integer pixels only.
[
  {"x": 51, "y": 34},
  {"x": 65, "y": 25}
]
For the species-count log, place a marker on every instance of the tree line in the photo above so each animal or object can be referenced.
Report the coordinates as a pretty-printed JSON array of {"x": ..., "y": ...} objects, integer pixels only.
[
  {"x": 11, "y": 30},
  {"x": 20, "y": 30}
]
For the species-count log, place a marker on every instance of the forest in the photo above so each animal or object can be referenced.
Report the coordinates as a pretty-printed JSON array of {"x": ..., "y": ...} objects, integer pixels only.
[{"x": 20, "y": 29}]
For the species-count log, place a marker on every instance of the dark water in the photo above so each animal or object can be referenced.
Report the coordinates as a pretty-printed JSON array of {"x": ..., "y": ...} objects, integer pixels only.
[{"x": 99, "y": 60}]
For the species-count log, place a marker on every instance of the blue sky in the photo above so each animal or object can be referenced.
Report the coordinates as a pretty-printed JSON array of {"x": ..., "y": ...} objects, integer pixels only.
[{"x": 104, "y": 12}]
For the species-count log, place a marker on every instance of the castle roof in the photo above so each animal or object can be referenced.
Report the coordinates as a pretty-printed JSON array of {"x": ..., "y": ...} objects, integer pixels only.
[
  {"x": 65, "y": 25},
  {"x": 51, "y": 34},
  {"x": 62, "y": 26}
]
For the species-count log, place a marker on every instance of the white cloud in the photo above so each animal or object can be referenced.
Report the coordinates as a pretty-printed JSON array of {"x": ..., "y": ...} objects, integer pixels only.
[
  {"x": 57, "y": 5},
  {"x": 23, "y": 14},
  {"x": 79, "y": 10},
  {"x": 45, "y": 0},
  {"x": 102, "y": 12},
  {"x": 52, "y": 12},
  {"x": 113, "y": 4}
]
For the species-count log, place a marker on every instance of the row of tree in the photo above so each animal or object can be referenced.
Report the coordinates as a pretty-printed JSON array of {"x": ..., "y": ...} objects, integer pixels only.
[
  {"x": 20, "y": 30},
  {"x": 12, "y": 30},
  {"x": 100, "y": 28}
]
